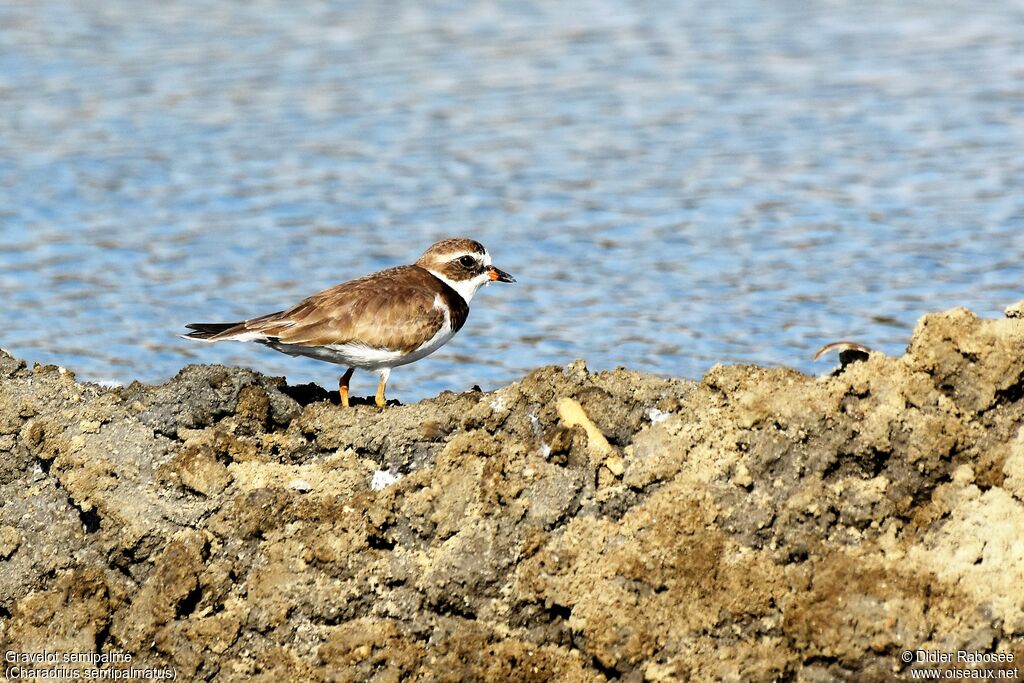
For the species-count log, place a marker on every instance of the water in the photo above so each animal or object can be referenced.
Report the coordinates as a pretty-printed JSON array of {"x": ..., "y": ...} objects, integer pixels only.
[{"x": 673, "y": 185}]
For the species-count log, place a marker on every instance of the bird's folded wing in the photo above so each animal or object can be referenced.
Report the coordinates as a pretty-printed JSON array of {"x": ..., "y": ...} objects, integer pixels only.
[{"x": 396, "y": 310}]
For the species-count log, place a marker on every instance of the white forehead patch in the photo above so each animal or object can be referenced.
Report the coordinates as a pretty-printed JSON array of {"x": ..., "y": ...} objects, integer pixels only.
[{"x": 484, "y": 258}]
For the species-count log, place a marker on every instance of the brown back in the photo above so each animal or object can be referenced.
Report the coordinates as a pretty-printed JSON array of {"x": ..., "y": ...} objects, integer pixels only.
[{"x": 392, "y": 309}]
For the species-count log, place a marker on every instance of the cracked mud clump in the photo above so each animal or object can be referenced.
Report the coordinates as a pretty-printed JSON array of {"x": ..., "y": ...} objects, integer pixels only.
[{"x": 758, "y": 525}]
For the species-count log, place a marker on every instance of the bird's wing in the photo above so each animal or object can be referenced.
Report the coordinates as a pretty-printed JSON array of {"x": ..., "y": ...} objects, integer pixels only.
[{"x": 395, "y": 309}]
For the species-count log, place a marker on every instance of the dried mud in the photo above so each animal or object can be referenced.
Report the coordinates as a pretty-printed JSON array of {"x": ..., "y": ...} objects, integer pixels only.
[{"x": 757, "y": 525}]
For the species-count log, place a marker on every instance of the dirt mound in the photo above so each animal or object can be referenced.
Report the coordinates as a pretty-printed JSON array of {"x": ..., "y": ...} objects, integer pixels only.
[{"x": 757, "y": 525}]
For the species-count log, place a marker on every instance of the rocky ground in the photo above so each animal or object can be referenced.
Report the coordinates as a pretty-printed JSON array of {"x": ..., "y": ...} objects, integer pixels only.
[{"x": 758, "y": 525}]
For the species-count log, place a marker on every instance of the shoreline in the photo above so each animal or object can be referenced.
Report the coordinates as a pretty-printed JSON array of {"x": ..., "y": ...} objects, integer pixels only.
[{"x": 755, "y": 524}]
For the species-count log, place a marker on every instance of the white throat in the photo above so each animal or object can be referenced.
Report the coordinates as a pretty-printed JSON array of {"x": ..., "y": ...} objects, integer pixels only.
[{"x": 465, "y": 288}]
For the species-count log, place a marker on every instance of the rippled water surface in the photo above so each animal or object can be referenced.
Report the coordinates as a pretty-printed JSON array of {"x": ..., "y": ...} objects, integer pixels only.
[{"x": 673, "y": 184}]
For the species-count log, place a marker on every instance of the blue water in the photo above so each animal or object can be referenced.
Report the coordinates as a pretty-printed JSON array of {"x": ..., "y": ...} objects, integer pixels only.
[{"x": 674, "y": 184}]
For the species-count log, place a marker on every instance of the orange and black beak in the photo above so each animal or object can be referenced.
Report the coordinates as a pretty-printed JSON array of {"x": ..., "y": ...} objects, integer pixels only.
[{"x": 499, "y": 275}]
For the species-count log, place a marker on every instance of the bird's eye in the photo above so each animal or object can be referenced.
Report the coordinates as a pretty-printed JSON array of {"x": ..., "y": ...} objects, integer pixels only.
[{"x": 467, "y": 261}]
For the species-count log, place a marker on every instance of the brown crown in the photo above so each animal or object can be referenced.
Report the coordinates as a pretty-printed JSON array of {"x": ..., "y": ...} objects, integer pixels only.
[
  {"x": 443, "y": 258},
  {"x": 443, "y": 250}
]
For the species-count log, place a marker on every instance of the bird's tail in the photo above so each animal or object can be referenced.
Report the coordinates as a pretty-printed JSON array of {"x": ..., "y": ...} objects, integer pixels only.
[{"x": 207, "y": 331}]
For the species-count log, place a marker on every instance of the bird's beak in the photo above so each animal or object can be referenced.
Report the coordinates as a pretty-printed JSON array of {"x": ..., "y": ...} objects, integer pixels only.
[{"x": 499, "y": 275}]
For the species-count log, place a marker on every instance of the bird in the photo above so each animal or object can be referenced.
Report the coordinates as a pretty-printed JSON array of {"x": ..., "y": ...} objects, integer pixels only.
[{"x": 376, "y": 322}]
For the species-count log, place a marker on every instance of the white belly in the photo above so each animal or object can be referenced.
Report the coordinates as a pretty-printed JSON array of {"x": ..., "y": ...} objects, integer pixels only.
[{"x": 358, "y": 355}]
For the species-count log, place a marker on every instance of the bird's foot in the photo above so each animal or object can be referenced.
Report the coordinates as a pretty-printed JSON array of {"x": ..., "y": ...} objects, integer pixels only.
[
  {"x": 379, "y": 398},
  {"x": 343, "y": 388}
]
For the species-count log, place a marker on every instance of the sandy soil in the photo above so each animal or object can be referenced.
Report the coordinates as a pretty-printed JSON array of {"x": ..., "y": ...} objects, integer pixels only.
[{"x": 758, "y": 525}]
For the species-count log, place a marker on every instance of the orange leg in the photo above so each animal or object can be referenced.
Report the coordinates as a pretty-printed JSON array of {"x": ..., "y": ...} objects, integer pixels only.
[
  {"x": 379, "y": 398},
  {"x": 343, "y": 387}
]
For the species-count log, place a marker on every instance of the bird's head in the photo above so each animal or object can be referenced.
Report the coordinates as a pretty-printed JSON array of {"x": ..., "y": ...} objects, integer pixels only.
[{"x": 462, "y": 264}]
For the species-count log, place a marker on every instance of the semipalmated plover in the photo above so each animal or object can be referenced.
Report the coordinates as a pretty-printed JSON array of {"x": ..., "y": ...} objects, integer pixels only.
[
  {"x": 849, "y": 352},
  {"x": 376, "y": 322}
]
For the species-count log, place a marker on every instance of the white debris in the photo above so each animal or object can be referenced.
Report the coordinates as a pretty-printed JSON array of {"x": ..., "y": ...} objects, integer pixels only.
[
  {"x": 300, "y": 485},
  {"x": 657, "y": 416},
  {"x": 383, "y": 479},
  {"x": 545, "y": 449},
  {"x": 498, "y": 404},
  {"x": 535, "y": 424}
]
